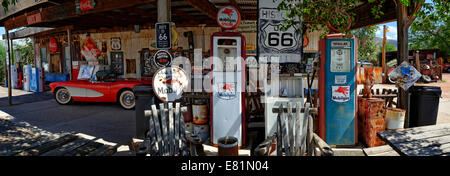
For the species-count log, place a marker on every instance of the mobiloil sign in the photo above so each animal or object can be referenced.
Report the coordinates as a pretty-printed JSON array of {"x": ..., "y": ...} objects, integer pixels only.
[{"x": 337, "y": 85}]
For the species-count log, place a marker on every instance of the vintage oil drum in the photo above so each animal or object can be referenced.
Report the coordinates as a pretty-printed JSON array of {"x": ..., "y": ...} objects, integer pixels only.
[
  {"x": 200, "y": 112},
  {"x": 228, "y": 146}
]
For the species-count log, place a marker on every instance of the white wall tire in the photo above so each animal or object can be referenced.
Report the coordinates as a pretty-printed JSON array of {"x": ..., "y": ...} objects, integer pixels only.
[
  {"x": 62, "y": 96},
  {"x": 127, "y": 99}
]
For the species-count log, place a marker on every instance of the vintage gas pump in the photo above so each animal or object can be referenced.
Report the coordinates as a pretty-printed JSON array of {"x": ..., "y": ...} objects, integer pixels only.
[
  {"x": 227, "y": 107},
  {"x": 337, "y": 90}
]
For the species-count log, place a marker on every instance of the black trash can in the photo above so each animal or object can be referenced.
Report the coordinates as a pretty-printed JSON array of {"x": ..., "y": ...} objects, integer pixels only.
[
  {"x": 424, "y": 105},
  {"x": 144, "y": 97}
]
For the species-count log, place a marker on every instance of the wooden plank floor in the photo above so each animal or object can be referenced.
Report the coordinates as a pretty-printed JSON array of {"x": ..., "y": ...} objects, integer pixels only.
[
  {"x": 420, "y": 141},
  {"x": 22, "y": 139}
]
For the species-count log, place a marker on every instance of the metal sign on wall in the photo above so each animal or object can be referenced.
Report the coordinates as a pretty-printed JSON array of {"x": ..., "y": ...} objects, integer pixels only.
[
  {"x": 163, "y": 35},
  {"x": 274, "y": 42}
]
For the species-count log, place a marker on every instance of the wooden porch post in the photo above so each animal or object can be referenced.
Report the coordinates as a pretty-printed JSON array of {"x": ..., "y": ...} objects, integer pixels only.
[
  {"x": 164, "y": 14},
  {"x": 383, "y": 54},
  {"x": 69, "y": 39},
  {"x": 8, "y": 67},
  {"x": 403, "y": 23}
]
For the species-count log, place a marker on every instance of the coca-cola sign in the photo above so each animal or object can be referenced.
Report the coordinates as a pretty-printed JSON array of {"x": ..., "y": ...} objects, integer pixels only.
[
  {"x": 83, "y": 5},
  {"x": 228, "y": 18},
  {"x": 53, "y": 45}
]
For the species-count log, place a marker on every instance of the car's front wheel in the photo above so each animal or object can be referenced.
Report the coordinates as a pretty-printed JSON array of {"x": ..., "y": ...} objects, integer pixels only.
[
  {"x": 127, "y": 99},
  {"x": 62, "y": 96}
]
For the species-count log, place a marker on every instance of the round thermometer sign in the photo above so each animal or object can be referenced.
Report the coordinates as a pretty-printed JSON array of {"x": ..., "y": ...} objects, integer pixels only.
[
  {"x": 169, "y": 83},
  {"x": 228, "y": 18}
]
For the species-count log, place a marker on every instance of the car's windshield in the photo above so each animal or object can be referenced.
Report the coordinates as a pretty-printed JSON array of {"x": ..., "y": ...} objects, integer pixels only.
[{"x": 105, "y": 76}]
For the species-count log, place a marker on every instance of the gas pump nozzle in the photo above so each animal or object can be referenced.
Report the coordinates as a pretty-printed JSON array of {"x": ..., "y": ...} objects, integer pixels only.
[{"x": 314, "y": 68}]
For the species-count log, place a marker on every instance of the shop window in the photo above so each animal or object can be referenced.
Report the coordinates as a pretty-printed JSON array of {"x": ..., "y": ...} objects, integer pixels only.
[{"x": 44, "y": 60}]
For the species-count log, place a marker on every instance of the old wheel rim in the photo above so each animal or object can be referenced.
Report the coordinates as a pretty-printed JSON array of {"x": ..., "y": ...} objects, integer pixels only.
[
  {"x": 128, "y": 99},
  {"x": 63, "y": 96}
]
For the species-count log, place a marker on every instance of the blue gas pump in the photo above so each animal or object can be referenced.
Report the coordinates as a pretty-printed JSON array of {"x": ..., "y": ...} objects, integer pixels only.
[{"x": 337, "y": 90}]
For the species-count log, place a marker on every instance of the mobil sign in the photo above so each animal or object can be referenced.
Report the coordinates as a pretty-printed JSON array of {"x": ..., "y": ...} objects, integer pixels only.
[{"x": 228, "y": 18}]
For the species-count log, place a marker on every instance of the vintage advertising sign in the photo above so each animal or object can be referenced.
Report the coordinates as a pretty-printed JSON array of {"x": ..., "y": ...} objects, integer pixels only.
[
  {"x": 83, "y": 5},
  {"x": 226, "y": 91},
  {"x": 340, "y": 94},
  {"x": 169, "y": 83},
  {"x": 53, "y": 45},
  {"x": 272, "y": 41},
  {"x": 163, "y": 35},
  {"x": 36, "y": 18},
  {"x": 405, "y": 75},
  {"x": 90, "y": 51},
  {"x": 228, "y": 18},
  {"x": 116, "y": 43},
  {"x": 162, "y": 58}
]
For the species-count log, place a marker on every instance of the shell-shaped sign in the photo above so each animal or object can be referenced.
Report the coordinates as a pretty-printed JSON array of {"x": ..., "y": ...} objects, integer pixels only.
[
  {"x": 169, "y": 83},
  {"x": 228, "y": 17}
]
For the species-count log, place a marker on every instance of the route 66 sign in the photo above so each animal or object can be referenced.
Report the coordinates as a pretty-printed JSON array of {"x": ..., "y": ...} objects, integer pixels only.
[
  {"x": 274, "y": 44},
  {"x": 276, "y": 39},
  {"x": 163, "y": 35},
  {"x": 115, "y": 43}
]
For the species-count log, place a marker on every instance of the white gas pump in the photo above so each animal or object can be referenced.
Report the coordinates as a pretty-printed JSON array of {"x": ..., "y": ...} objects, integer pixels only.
[{"x": 228, "y": 80}]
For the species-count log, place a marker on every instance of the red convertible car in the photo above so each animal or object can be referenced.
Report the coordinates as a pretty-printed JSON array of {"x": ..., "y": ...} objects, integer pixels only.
[{"x": 100, "y": 90}]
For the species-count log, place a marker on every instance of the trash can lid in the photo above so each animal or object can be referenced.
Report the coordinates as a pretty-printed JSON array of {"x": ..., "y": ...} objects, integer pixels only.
[{"x": 425, "y": 89}]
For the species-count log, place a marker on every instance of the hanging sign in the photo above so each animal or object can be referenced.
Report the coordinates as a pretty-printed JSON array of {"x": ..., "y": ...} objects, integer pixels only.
[
  {"x": 163, "y": 35},
  {"x": 90, "y": 51},
  {"x": 228, "y": 18},
  {"x": 274, "y": 43},
  {"x": 169, "y": 83},
  {"x": 162, "y": 58},
  {"x": 53, "y": 45},
  {"x": 36, "y": 18},
  {"x": 404, "y": 75},
  {"x": 83, "y": 5},
  {"x": 115, "y": 43}
]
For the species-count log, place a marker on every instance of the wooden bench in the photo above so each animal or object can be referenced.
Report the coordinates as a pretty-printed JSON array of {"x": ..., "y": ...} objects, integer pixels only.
[
  {"x": 294, "y": 135},
  {"x": 167, "y": 135}
]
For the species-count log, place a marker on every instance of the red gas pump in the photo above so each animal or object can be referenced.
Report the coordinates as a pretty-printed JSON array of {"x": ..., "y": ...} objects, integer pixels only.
[{"x": 228, "y": 82}]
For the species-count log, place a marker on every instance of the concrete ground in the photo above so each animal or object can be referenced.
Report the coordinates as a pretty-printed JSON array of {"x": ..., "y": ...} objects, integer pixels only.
[
  {"x": 103, "y": 120},
  {"x": 108, "y": 120}
]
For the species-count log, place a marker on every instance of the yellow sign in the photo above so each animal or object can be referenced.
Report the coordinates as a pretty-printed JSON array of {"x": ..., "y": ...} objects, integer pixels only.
[{"x": 249, "y": 47}]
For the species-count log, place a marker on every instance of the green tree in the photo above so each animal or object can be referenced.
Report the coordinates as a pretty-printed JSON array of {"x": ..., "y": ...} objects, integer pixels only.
[
  {"x": 431, "y": 29},
  {"x": 366, "y": 42},
  {"x": 389, "y": 47},
  {"x": 2, "y": 61},
  {"x": 26, "y": 52},
  {"x": 335, "y": 13},
  {"x": 7, "y": 3}
]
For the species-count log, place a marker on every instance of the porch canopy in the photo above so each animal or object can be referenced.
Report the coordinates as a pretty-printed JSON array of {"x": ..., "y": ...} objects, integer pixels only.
[{"x": 115, "y": 15}]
